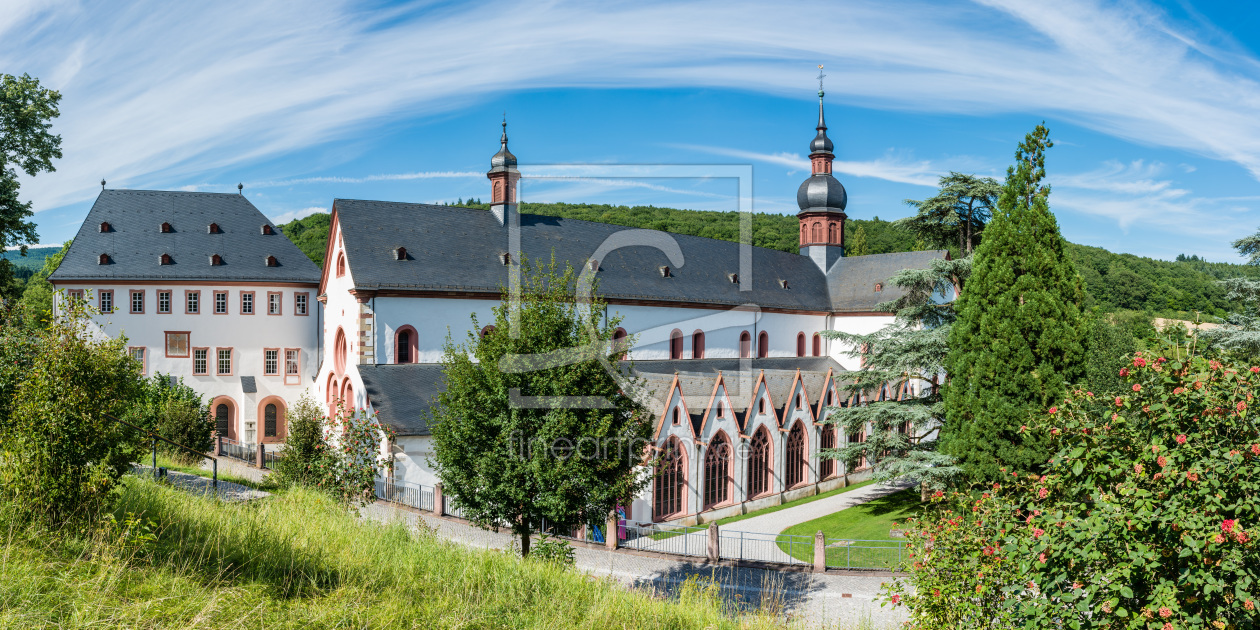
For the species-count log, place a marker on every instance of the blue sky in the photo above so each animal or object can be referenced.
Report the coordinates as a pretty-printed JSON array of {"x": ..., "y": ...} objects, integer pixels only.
[{"x": 1153, "y": 105}]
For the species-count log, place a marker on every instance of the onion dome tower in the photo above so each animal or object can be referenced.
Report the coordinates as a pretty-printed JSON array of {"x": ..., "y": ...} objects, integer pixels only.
[
  {"x": 822, "y": 199},
  {"x": 503, "y": 176}
]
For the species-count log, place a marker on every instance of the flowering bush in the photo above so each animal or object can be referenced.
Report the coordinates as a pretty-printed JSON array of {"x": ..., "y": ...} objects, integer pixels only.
[
  {"x": 1146, "y": 516},
  {"x": 349, "y": 458}
]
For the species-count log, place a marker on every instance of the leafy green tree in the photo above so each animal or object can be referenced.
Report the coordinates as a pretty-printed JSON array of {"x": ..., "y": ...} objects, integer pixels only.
[
  {"x": 1018, "y": 339},
  {"x": 532, "y": 425},
  {"x": 857, "y": 245},
  {"x": 957, "y": 214},
  {"x": 910, "y": 352},
  {"x": 303, "y": 445},
  {"x": 59, "y": 455},
  {"x": 176, "y": 412},
  {"x": 1111, "y": 347},
  {"x": 350, "y": 458},
  {"x": 310, "y": 234},
  {"x": 26, "y": 110}
]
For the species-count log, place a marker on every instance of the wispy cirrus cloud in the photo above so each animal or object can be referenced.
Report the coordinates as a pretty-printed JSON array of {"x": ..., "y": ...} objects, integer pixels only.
[
  {"x": 159, "y": 91},
  {"x": 916, "y": 172}
]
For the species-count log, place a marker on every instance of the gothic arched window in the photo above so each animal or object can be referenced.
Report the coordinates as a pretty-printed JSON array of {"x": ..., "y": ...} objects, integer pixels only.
[
  {"x": 794, "y": 466},
  {"x": 670, "y": 483},
  {"x": 717, "y": 472},
  {"x": 817, "y": 345},
  {"x": 827, "y": 465},
  {"x": 759, "y": 463}
]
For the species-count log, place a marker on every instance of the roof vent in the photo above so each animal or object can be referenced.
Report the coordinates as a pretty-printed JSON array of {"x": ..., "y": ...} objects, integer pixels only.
[
  {"x": 783, "y": 283},
  {"x": 106, "y": 227},
  {"x": 166, "y": 259},
  {"x": 505, "y": 258},
  {"x": 272, "y": 262},
  {"x": 166, "y": 228},
  {"x": 104, "y": 260},
  {"x": 879, "y": 286},
  {"x": 665, "y": 271},
  {"x": 266, "y": 230},
  {"x": 400, "y": 253},
  {"x": 734, "y": 277},
  {"x": 214, "y": 229},
  {"x": 216, "y": 260},
  {"x": 593, "y": 264}
]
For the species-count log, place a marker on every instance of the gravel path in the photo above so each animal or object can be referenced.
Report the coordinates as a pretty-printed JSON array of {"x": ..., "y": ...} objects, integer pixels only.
[
  {"x": 819, "y": 600},
  {"x": 228, "y": 491}
]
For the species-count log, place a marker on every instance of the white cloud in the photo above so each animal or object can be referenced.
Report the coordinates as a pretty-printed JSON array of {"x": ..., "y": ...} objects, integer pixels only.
[
  {"x": 161, "y": 91},
  {"x": 918, "y": 173},
  {"x": 285, "y": 217},
  {"x": 383, "y": 177}
]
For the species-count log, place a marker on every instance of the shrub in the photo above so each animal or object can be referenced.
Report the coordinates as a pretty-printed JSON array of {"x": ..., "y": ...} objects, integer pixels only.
[
  {"x": 1146, "y": 516},
  {"x": 59, "y": 456},
  {"x": 555, "y": 550},
  {"x": 176, "y": 412},
  {"x": 350, "y": 455},
  {"x": 304, "y": 444}
]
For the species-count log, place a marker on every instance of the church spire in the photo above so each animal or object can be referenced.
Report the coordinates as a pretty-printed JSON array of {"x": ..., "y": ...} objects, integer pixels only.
[
  {"x": 503, "y": 176},
  {"x": 822, "y": 198},
  {"x": 820, "y": 150}
]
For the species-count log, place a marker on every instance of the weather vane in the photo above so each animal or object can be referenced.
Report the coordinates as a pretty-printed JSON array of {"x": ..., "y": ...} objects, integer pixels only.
[{"x": 820, "y": 80}]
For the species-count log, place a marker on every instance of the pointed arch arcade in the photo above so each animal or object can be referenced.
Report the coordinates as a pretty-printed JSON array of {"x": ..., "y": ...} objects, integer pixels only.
[{"x": 669, "y": 491}]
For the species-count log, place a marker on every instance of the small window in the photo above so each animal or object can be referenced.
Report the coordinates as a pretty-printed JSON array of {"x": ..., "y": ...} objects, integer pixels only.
[
  {"x": 761, "y": 405},
  {"x": 271, "y": 362},
  {"x": 400, "y": 253},
  {"x": 879, "y": 286},
  {"x": 676, "y": 344},
  {"x": 164, "y": 302},
  {"x": 266, "y": 230},
  {"x": 225, "y": 361},
  {"x": 199, "y": 360},
  {"x": 665, "y": 273},
  {"x": 828, "y": 398},
  {"x": 745, "y": 345},
  {"x": 291, "y": 361},
  {"x": 341, "y": 265},
  {"x": 269, "y": 420},
  {"x": 763, "y": 345},
  {"x": 106, "y": 227},
  {"x": 140, "y": 355},
  {"x": 697, "y": 344},
  {"x": 106, "y": 301},
  {"x": 104, "y": 260},
  {"x": 272, "y": 262},
  {"x": 75, "y": 294},
  {"x": 216, "y": 260},
  {"x": 720, "y": 411},
  {"x": 677, "y": 416},
  {"x": 177, "y": 344},
  {"x": 166, "y": 228},
  {"x": 274, "y": 302},
  {"x": 817, "y": 345},
  {"x": 137, "y": 301},
  {"x": 247, "y": 302},
  {"x": 299, "y": 303},
  {"x": 166, "y": 259},
  {"x": 800, "y": 402},
  {"x": 800, "y": 344},
  {"x": 214, "y": 229},
  {"x": 220, "y": 302},
  {"x": 192, "y": 302}
]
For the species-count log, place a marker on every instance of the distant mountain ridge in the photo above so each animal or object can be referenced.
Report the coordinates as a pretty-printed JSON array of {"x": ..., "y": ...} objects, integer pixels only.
[
  {"x": 26, "y": 266},
  {"x": 1113, "y": 282}
]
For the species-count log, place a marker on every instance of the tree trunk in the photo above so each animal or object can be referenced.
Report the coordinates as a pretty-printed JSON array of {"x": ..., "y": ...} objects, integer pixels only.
[{"x": 525, "y": 544}]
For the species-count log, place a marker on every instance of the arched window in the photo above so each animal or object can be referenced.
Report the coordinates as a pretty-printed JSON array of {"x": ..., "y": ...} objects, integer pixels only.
[
  {"x": 794, "y": 467},
  {"x": 269, "y": 420},
  {"x": 831, "y": 233},
  {"x": 402, "y": 352},
  {"x": 828, "y": 403},
  {"x": 620, "y": 345},
  {"x": 347, "y": 396},
  {"x": 340, "y": 351},
  {"x": 745, "y": 345},
  {"x": 800, "y": 401},
  {"x": 800, "y": 344},
  {"x": 677, "y": 416},
  {"x": 759, "y": 463},
  {"x": 697, "y": 344},
  {"x": 804, "y": 235},
  {"x": 671, "y": 482},
  {"x": 817, "y": 235},
  {"x": 330, "y": 395},
  {"x": 761, "y": 405},
  {"x": 720, "y": 410},
  {"x": 341, "y": 264},
  {"x": 817, "y": 345},
  {"x": 717, "y": 472},
  {"x": 763, "y": 345},
  {"x": 221, "y": 419},
  {"x": 827, "y": 465},
  {"x": 485, "y": 331},
  {"x": 675, "y": 344}
]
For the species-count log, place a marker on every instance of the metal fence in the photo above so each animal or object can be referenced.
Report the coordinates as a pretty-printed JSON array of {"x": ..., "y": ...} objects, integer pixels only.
[
  {"x": 243, "y": 451},
  {"x": 675, "y": 539},
  {"x": 409, "y": 494},
  {"x": 864, "y": 554},
  {"x": 271, "y": 457}
]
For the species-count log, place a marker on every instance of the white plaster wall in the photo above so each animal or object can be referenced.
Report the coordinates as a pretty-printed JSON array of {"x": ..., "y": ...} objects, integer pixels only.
[
  {"x": 247, "y": 335},
  {"x": 433, "y": 319},
  {"x": 858, "y": 325},
  {"x": 412, "y": 465}
]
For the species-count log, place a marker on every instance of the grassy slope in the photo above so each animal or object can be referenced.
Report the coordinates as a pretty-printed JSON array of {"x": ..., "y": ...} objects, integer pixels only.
[
  {"x": 1112, "y": 281},
  {"x": 869, "y": 521},
  {"x": 297, "y": 561}
]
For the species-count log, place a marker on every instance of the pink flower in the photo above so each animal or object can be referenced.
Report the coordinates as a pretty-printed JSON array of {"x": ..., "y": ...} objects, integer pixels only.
[
  {"x": 1137, "y": 387},
  {"x": 1161, "y": 461},
  {"x": 1137, "y": 468},
  {"x": 1043, "y": 493},
  {"x": 1255, "y": 370},
  {"x": 1181, "y": 439},
  {"x": 1167, "y": 626},
  {"x": 1124, "y": 371},
  {"x": 1139, "y": 362},
  {"x": 1054, "y": 410},
  {"x": 1038, "y": 532},
  {"x": 896, "y": 599},
  {"x": 1042, "y": 558},
  {"x": 1165, "y": 612},
  {"x": 1119, "y": 401},
  {"x": 1227, "y": 525},
  {"x": 1255, "y": 449}
]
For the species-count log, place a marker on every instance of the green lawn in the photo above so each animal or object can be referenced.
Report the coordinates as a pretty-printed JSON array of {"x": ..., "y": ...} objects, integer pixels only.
[
  {"x": 722, "y": 522},
  {"x": 870, "y": 521}
]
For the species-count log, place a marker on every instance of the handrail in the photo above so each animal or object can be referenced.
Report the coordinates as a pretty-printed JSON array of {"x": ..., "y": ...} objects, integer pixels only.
[{"x": 157, "y": 437}]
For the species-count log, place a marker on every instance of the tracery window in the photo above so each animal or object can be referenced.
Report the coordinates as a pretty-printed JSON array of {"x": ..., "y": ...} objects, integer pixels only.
[
  {"x": 827, "y": 465},
  {"x": 717, "y": 471},
  {"x": 794, "y": 466},
  {"x": 670, "y": 483},
  {"x": 759, "y": 464}
]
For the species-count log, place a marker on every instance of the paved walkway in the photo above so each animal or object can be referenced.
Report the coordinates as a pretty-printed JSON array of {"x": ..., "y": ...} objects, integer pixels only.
[
  {"x": 227, "y": 490},
  {"x": 820, "y": 600},
  {"x": 238, "y": 468}
]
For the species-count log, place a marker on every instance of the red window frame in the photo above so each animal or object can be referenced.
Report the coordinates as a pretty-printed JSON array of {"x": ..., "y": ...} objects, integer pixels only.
[
  {"x": 166, "y": 344},
  {"x": 100, "y": 301},
  {"x": 144, "y": 358},
  {"x": 275, "y": 371},
  {"x": 205, "y": 367},
  {"x": 214, "y": 308},
  {"x": 295, "y": 377},
  {"x": 231, "y": 361}
]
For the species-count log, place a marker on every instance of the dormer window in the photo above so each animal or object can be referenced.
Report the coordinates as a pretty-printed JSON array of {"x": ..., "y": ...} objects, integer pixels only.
[
  {"x": 272, "y": 262},
  {"x": 216, "y": 260},
  {"x": 166, "y": 228},
  {"x": 214, "y": 229},
  {"x": 879, "y": 286},
  {"x": 400, "y": 253},
  {"x": 783, "y": 284},
  {"x": 505, "y": 258},
  {"x": 665, "y": 273},
  {"x": 106, "y": 227},
  {"x": 266, "y": 230},
  {"x": 593, "y": 264},
  {"x": 734, "y": 277},
  {"x": 166, "y": 259},
  {"x": 104, "y": 260}
]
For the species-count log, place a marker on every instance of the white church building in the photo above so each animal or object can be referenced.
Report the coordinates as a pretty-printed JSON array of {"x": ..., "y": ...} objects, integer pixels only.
[{"x": 735, "y": 365}]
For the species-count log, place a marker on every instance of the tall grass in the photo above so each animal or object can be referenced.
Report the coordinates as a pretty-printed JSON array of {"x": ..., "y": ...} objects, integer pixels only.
[{"x": 297, "y": 560}]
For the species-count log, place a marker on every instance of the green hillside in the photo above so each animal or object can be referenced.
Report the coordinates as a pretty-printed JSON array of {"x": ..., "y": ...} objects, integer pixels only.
[
  {"x": 1113, "y": 281},
  {"x": 26, "y": 266}
]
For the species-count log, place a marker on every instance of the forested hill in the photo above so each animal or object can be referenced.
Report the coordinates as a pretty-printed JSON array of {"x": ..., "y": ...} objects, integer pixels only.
[{"x": 1112, "y": 281}]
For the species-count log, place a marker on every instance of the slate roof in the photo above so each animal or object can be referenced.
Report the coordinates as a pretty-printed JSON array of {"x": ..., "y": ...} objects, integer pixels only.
[
  {"x": 402, "y": 394},
  {"x": 851, "y": 280},
  {"x": 135, "y": 242}
]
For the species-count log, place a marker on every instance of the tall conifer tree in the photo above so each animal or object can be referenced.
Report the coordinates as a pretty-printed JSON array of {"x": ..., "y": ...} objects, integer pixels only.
[{"x": 1017, "y": 343}]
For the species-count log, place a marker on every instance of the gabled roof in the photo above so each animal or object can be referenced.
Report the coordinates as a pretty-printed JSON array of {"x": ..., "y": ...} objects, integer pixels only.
[
  {"x": 402, "y": 394},
  {"x": 135, "y": 242}
]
